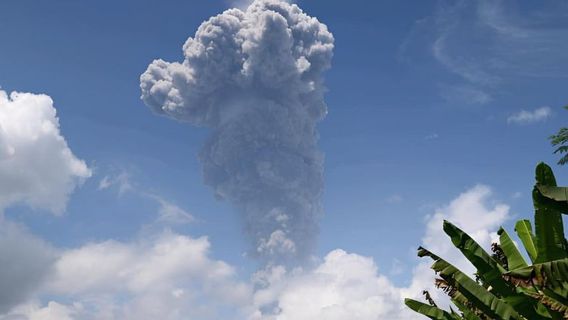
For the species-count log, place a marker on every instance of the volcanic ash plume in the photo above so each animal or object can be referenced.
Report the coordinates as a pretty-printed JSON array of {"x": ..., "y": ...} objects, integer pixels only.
[{"x": 255, "y": 78}]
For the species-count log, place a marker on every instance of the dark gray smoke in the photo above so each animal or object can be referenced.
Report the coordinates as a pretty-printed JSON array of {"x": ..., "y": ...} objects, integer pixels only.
[{"x": 255, "y": 78}]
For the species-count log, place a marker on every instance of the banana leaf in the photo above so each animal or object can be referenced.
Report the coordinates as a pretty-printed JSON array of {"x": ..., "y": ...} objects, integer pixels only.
[
  {"x": 491, "y": 272},
  {"x": 557, "y": 197},
  {"x": 483, "y": 300},
  {"x": 467, "y": 313},
  {"x": 549, "y": 228},
  {"x": 523, "y": 229},
  {"x": 556, "y": 304},
  {"x": 487, "y": 268},
  {"x": 555, "y": 193},
  {"x": 552, "y": 275},
  {"x": 429, "y": 311},
  {"x": 514, "y": 258}
]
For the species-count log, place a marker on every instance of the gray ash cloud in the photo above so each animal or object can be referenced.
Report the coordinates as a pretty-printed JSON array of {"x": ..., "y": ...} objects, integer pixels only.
[{"x": 255, "y": 78}]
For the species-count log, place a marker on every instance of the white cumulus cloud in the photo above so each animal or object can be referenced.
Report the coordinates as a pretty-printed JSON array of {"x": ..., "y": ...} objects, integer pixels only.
[
  {"x": 36, "y": 165},
  {"x": 344, "y": 286}
]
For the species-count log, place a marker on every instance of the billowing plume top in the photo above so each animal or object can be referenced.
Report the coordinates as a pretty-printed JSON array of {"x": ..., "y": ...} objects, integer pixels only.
[
  {"x": 272, "y": 49},
  {"x": 255, "y": 78}
]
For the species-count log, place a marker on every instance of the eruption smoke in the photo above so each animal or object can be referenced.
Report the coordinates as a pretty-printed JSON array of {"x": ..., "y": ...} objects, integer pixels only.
[{"x": 255, "y": 78}]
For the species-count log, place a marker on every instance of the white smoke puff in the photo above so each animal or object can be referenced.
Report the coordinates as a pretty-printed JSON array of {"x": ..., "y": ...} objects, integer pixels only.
[
  {"x": 36, "y": 165},
  {"x": 255, "y": 78}
]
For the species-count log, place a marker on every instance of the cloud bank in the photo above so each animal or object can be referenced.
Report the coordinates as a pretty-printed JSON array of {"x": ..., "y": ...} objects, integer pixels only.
[
  {"x": 255, "y": 78},
  {"x": 38, "y": 169},
  {"x": 165, "y": 276},
  {"x": 173, "y": 276},
  {"x": 168, "y": 276}
]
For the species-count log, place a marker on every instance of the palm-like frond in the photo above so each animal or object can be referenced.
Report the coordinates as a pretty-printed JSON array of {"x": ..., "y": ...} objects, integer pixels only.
[{"x": 507, "y": 287}]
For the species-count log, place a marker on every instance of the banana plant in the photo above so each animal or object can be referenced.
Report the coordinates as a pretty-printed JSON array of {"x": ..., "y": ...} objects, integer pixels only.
[
  {"x": 560, "y": 141},
  {"x": 506, "y": 285}
]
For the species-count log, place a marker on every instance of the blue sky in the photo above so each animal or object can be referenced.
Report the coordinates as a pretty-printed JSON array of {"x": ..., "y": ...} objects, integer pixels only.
[{"x": 425, "y": 102}]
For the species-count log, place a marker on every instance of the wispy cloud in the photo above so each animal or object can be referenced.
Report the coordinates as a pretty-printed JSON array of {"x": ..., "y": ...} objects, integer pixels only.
[
  {"x": 466, "y": 67},
  {"x": 527, "y": 117},
  {"x": 171, "y": 213},
  {"x": 120, "y": 181},
  {"x": 486, "y": 44},
  {"x": 168, "y": 212}
]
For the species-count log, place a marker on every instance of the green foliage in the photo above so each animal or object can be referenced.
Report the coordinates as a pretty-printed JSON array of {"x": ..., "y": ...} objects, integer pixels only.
[
  {"x": 431, "y": 312},
  {"x": 514, "y": 258},
  {"x": 507, "y": 287},
  {"x": 560, "y": 140},
  {"x": 549, "y": 229},
  {"x": 524, "y": 231}
]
